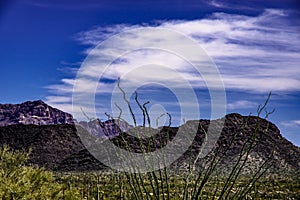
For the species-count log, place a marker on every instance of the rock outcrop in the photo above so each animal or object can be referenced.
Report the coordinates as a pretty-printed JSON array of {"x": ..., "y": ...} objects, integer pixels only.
[
  {"x": 107, "y": 129},
  {"x": 32, "y": 112}
]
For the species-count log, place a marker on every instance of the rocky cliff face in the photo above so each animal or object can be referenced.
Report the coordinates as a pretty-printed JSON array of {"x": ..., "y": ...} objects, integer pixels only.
[{"x": 32, "y": 112}]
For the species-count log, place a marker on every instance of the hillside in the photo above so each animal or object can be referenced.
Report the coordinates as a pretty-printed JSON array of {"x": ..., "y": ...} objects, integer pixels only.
[{"x": 58, "y": 147}]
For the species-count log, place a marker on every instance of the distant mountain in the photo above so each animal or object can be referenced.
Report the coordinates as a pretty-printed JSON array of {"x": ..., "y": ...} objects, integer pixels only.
[
  {"x": 57, "y": 145},
  {"x": 39, "y": 113},
  {"x": 107, "y": 129},
  {"x": 32, "y": 112}
]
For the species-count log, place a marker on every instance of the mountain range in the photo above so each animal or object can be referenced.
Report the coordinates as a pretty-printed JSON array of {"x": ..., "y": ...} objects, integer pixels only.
[{"x": 53, "y": 138}]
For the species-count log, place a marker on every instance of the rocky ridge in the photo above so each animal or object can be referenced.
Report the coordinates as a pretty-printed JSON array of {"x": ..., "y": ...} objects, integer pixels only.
[
  {"x": 59, "y": 146},
  {"x": 32, "y": 112}
]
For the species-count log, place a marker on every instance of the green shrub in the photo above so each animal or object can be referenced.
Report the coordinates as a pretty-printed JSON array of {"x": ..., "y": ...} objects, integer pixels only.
[{"x": 18, "y": 181}]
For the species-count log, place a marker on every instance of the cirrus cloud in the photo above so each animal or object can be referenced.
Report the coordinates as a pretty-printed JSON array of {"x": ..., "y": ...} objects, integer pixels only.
[{"x": 256, "y": 54}]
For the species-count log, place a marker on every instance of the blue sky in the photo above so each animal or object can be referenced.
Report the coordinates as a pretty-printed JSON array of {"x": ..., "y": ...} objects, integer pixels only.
[{"x": 254, "y": 44}]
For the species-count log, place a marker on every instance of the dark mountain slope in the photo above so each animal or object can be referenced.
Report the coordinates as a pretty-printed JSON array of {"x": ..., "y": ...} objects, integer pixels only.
[
  {"x": 50, "y": 143},
  {"x": 58, "y": 147}
]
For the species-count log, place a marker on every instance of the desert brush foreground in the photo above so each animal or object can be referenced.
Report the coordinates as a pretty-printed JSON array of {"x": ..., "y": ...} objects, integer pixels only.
[{"x": 19, "y": 181}]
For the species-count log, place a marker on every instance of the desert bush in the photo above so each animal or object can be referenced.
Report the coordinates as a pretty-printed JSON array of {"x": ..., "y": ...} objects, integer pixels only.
[{"x": 18, "y": 181}]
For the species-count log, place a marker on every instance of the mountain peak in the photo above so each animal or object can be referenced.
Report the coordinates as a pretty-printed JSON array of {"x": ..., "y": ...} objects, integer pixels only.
[
  {"x": 36, "y": 102},
  {"x": 32, "y": 112}
]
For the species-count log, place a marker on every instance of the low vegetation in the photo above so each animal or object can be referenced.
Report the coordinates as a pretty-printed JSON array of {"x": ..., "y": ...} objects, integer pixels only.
[{"x": 18, "y": 181}]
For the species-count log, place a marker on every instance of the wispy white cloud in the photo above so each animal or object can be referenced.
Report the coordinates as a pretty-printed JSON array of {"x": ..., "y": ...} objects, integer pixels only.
[
  {"x": 68, "y": 70},
  {"x": 290, "y": 130},
  {"x": 216, "y": 4},
  {"x": 292, "y": 123},
  {"x": 257, "y": 54},
  {"x": 243, "y": 104},
  {"x": 58, "y": 99},
  {"x": 230, "y": 5}
]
